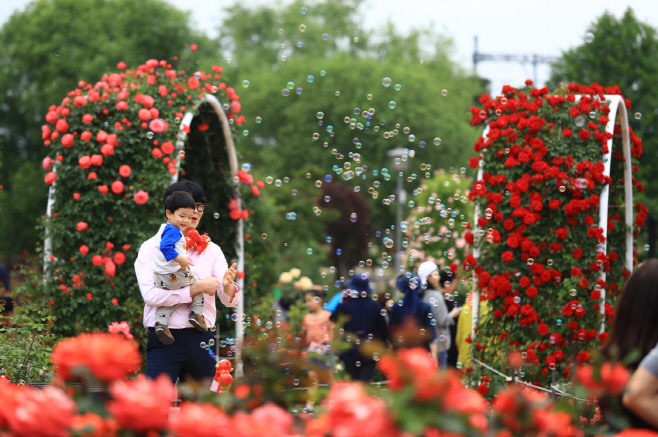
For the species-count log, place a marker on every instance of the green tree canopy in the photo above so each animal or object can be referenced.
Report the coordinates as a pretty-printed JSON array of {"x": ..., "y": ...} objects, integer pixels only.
[
  {"x": 624, "y": 52},
  {"x": 44, "y": 51}
]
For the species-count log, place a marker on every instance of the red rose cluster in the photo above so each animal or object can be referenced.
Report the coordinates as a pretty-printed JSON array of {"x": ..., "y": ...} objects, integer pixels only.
[{"x": 543, "y": 168}]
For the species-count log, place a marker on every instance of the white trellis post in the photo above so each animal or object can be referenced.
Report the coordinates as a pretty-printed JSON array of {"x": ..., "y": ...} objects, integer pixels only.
[{"x": 617, "y": 107}]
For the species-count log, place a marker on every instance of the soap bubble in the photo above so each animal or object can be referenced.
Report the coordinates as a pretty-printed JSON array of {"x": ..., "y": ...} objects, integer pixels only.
[
  {"x": 392, "y": 104},
  {"x": 325, "y": 36},
  {"x": 310, "y": 78},
  {"x": 589, "y": 37},
  {"x": 444, "y": 92},
  {"x": 320, "y": 115},
  {"x": 397, "y": 87},
  {"x": 216, "y": 215},
  {"x": 531, "y": 261},
  {"x": 285, "y": 92},
  {"x": 259, "y": 119},
  {"x": 309, "y": 251},
  {"x": 437, "y": 141},
  {"x": 386, "y": 81},
  {"x": 302, "y": 28},
  {"x": 245, "y": 83},
  {"x": 638, "y": 115}
]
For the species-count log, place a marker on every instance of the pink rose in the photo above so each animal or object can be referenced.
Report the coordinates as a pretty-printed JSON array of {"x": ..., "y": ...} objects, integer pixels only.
[
  {"x": 81, "y": 226},
  {"x": 122, "y": 105},
  {"x": 141, "y": 197},
  {"x": 85, "y": 135},
  {"x": 157, "y": 125},
  {"x": 61, "y": 126},
  {"x": 101, "y": 136},
  {"x": 120, "y": 328},
  {"x": 87, "y": 118},
  {"x": 236, "y": 106},
  {"x": 119, "y": 258},
  {"x": 96, "y": 160},
  {"x": 38, "y": 410},
  {"x": 110, "y": 267},
  {"x": 117, "y": 187},
  {"x": 50, "y": 178},
  {"x": 92, "y": 175},
  {"x": 107, "y": 149},
  {"x": 84, "y": 249},
  {"x": 97, "y": 260},
  {"x": 125, "y": 171},
  {"x": 156, "y": 152},
  {"x": 144, "y": 114},
  {"x": 103, "y": 189},
  {"x": 167, "y": 148},
  {"x": 47, "y": 163},
  {"x": 215, "y": 422}
]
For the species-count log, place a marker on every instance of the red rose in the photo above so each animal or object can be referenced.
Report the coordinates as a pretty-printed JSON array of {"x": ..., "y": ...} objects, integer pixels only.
[
  {"x": 141, "y": 197},
  {"x": 577, "y": 253},
  {"x": 85, "y": 136},
  {"x": 117, "y": 187},
  {"x": 193, "y": 83},
  {"x": 107, "y": 149},
  {"x": 554, "y": 204},
  {"x": 507, "y": 256},
  {"x": 67, "y": 140},
  {"x": 234, "y": 214},
  {"x": 156, "y": 152},
  {"x": 158, "y": 125},
  {"x": 84, "y": 162},
  {"x": 575, "y": 271},
  {"x": 531, "y": 292},
  {"x": 167, "y": 148},
  {"x": 103, "y": 189},
  {"x": 97, "y": 160},
  {"x": 584, "y": 134},
  {"x": 122, "y": 105},
  {"x": 97, "y": 260},
  {"x": 124, "y": 171},
  {"x": 473, "y": 162},
  {"x": 483, "y": 389},
  {"x": 255, "y": 191},
  {"x": 119, "y": 258},
  {"x": 567, "y": 132},
  {"x": 81, "y": 226},
  {"x": 84, "y": 249},
  {"x": 543, "y": 329},
  {"x": 76, "y": 196},
  {"x": 144, "y": 114},
  {"x": 61, "y": 126},
  {"x": 50, "y": 178},
  {"x": 121, "y": 65}
]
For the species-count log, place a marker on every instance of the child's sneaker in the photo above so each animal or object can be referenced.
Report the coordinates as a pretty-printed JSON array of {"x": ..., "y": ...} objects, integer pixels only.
[
  {"x": 198, "y": 321},
  {"x": 163, "y": 333}
]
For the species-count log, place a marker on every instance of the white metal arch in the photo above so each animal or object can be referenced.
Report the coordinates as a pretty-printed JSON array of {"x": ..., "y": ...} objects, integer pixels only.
[{"x": 617, "y": 109}]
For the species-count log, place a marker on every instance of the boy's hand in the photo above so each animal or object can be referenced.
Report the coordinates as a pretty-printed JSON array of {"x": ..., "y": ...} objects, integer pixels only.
[{"x": 184, "y": 262}]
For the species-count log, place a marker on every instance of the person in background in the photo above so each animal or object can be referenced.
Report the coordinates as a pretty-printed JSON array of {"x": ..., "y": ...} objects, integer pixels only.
[
  {"x": 411, "y": 322},
  {"x": 634, "y": 335},
  {"x": 366, "y": 320},
  {"x": 429, "y": 283},
  {"x": 7, "y": 312},
  {"x": 318, "y": 333},
  {"x": 4, "y": 278},
  {"x": 448, "y": 286}
]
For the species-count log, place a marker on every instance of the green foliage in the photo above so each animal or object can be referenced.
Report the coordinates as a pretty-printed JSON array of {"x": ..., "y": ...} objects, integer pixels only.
[
  {"x": 84, "y": 39},
  {"x": 26, "y": 345},
  {"x": 281, "y": 144},
  {"x": 622, "y": 52}
]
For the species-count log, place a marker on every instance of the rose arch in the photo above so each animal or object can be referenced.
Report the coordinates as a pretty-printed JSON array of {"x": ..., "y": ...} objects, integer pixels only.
[
  {"x": 551, "y": 246},
  {"x": 114, "y": 147}
]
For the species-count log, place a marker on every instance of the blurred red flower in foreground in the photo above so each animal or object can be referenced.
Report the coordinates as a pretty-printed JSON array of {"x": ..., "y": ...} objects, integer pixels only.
[
  {"x": 29, "y": 412},
  {"x": 142, "y": 404},
  {"x": 611, "y": 381},
  {"x": 187, "y": 422},
  {"x": 107, "y": 357}
]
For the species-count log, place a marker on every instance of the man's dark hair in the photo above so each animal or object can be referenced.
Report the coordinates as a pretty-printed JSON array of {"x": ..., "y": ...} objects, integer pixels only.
[
  {"x": 177, "y": 200},
  {"x": 189, "y": 187},
  {"x": 7, "y": 304}
]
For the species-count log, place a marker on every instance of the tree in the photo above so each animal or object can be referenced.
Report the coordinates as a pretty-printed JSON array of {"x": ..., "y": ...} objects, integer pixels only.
[
  {"x": 307, "y": 103},
  {"x": 84, "y": 38},
  {"x": 623, "y": 52}
]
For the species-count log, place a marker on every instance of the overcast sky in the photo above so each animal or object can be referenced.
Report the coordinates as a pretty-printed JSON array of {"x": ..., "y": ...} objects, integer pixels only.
[{"x": 544, "y": 27}]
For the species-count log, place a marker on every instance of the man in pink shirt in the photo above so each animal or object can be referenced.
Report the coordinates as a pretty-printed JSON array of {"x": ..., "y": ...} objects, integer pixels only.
[{"x": 185, "y": 358}]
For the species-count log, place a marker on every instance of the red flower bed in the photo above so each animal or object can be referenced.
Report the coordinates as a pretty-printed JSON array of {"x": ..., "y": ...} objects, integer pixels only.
[{"x": 543, "y": 174}]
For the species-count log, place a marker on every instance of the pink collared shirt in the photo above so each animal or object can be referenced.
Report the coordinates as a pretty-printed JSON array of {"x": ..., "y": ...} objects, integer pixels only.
[{"x": 209, "y": 263}]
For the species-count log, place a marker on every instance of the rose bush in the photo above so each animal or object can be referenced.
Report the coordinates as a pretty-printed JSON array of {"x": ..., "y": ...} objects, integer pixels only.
[
  {"x": 113, "y": 147},
  {"x": 542, "y": 247}
]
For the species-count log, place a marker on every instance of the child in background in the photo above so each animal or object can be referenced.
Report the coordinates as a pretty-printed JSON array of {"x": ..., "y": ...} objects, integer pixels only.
[
  {"x": 318, "y": 332},
  {"x": 171, "y": 266}
]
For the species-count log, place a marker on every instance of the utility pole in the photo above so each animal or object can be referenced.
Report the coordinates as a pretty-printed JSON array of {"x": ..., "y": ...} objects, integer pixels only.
[{"x": 522, "y": 59}]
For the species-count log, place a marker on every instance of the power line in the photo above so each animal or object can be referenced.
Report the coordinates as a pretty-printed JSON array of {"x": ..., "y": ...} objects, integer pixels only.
[{"x": 522, "y": 59}]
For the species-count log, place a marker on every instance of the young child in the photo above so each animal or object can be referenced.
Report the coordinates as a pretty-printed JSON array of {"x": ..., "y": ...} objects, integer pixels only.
[
  {"x": 171, "y": 266},
  {"x": 318, "y": 330}
]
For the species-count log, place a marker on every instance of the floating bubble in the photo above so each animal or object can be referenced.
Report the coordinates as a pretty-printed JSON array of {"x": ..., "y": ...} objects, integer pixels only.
[
  {"x": 258, "y": 119},
  {"x": 277, "y": 183},
  {"x": 290, "y": 85},
  {"x": 269, "y": 180},
  {"x": 202, "y": 344},
  {"x": 558, "y": 322},
  {"x": 325, "y": 36},
  {"x": 309, "y": 251},
  {"x": 310, "y": 78},
  {"x": 299, "y": 90},
  {"x": 322, "y": 72},
  {"x": 647, "y": 247},
  {"x": 216, "y": 215},
  {"x": 320, "y": 115},
  {"x": 638, "y": 115},
  {"x": 386, "y": 81},
  {"x": 302, "y": 28},
  {"x": 327, "y": 178},
  {"x": 592, "y": 114},
  {"x": 348, "y": 175},
  {"x": 353, "y": 217},
  {"x": 572, "y": 292},
  {"x": 579, "y": 121},
  {"x": 437, "y": 141},
  {"x": 337, "y": 93},
  {"x": 285, "y": 92},
  {"x": 149, "y": 135},
  {"x": 245, "y": 83},
  {"x": 412, "y": 138},
  {"x": 562, "y": 188},
  {"x": 392, "y": 104},
  {"x": 268, "y": 325},
  {"x": 397, "y": 87},
  {"x": 315, "y": 136},
  {"x": 444, "y": 93},
  {"x": 549, "y": 262},
  {"x": 517, "y": 299},
  {"x": 581, "y": 183},
  {"x": 245, "y": 132},
  {"x": 531, "y": 261},
  {"x": 300, "y": 44},
  {"x": 264, "y": 236},
  {"x": 589, "y": 37}
]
